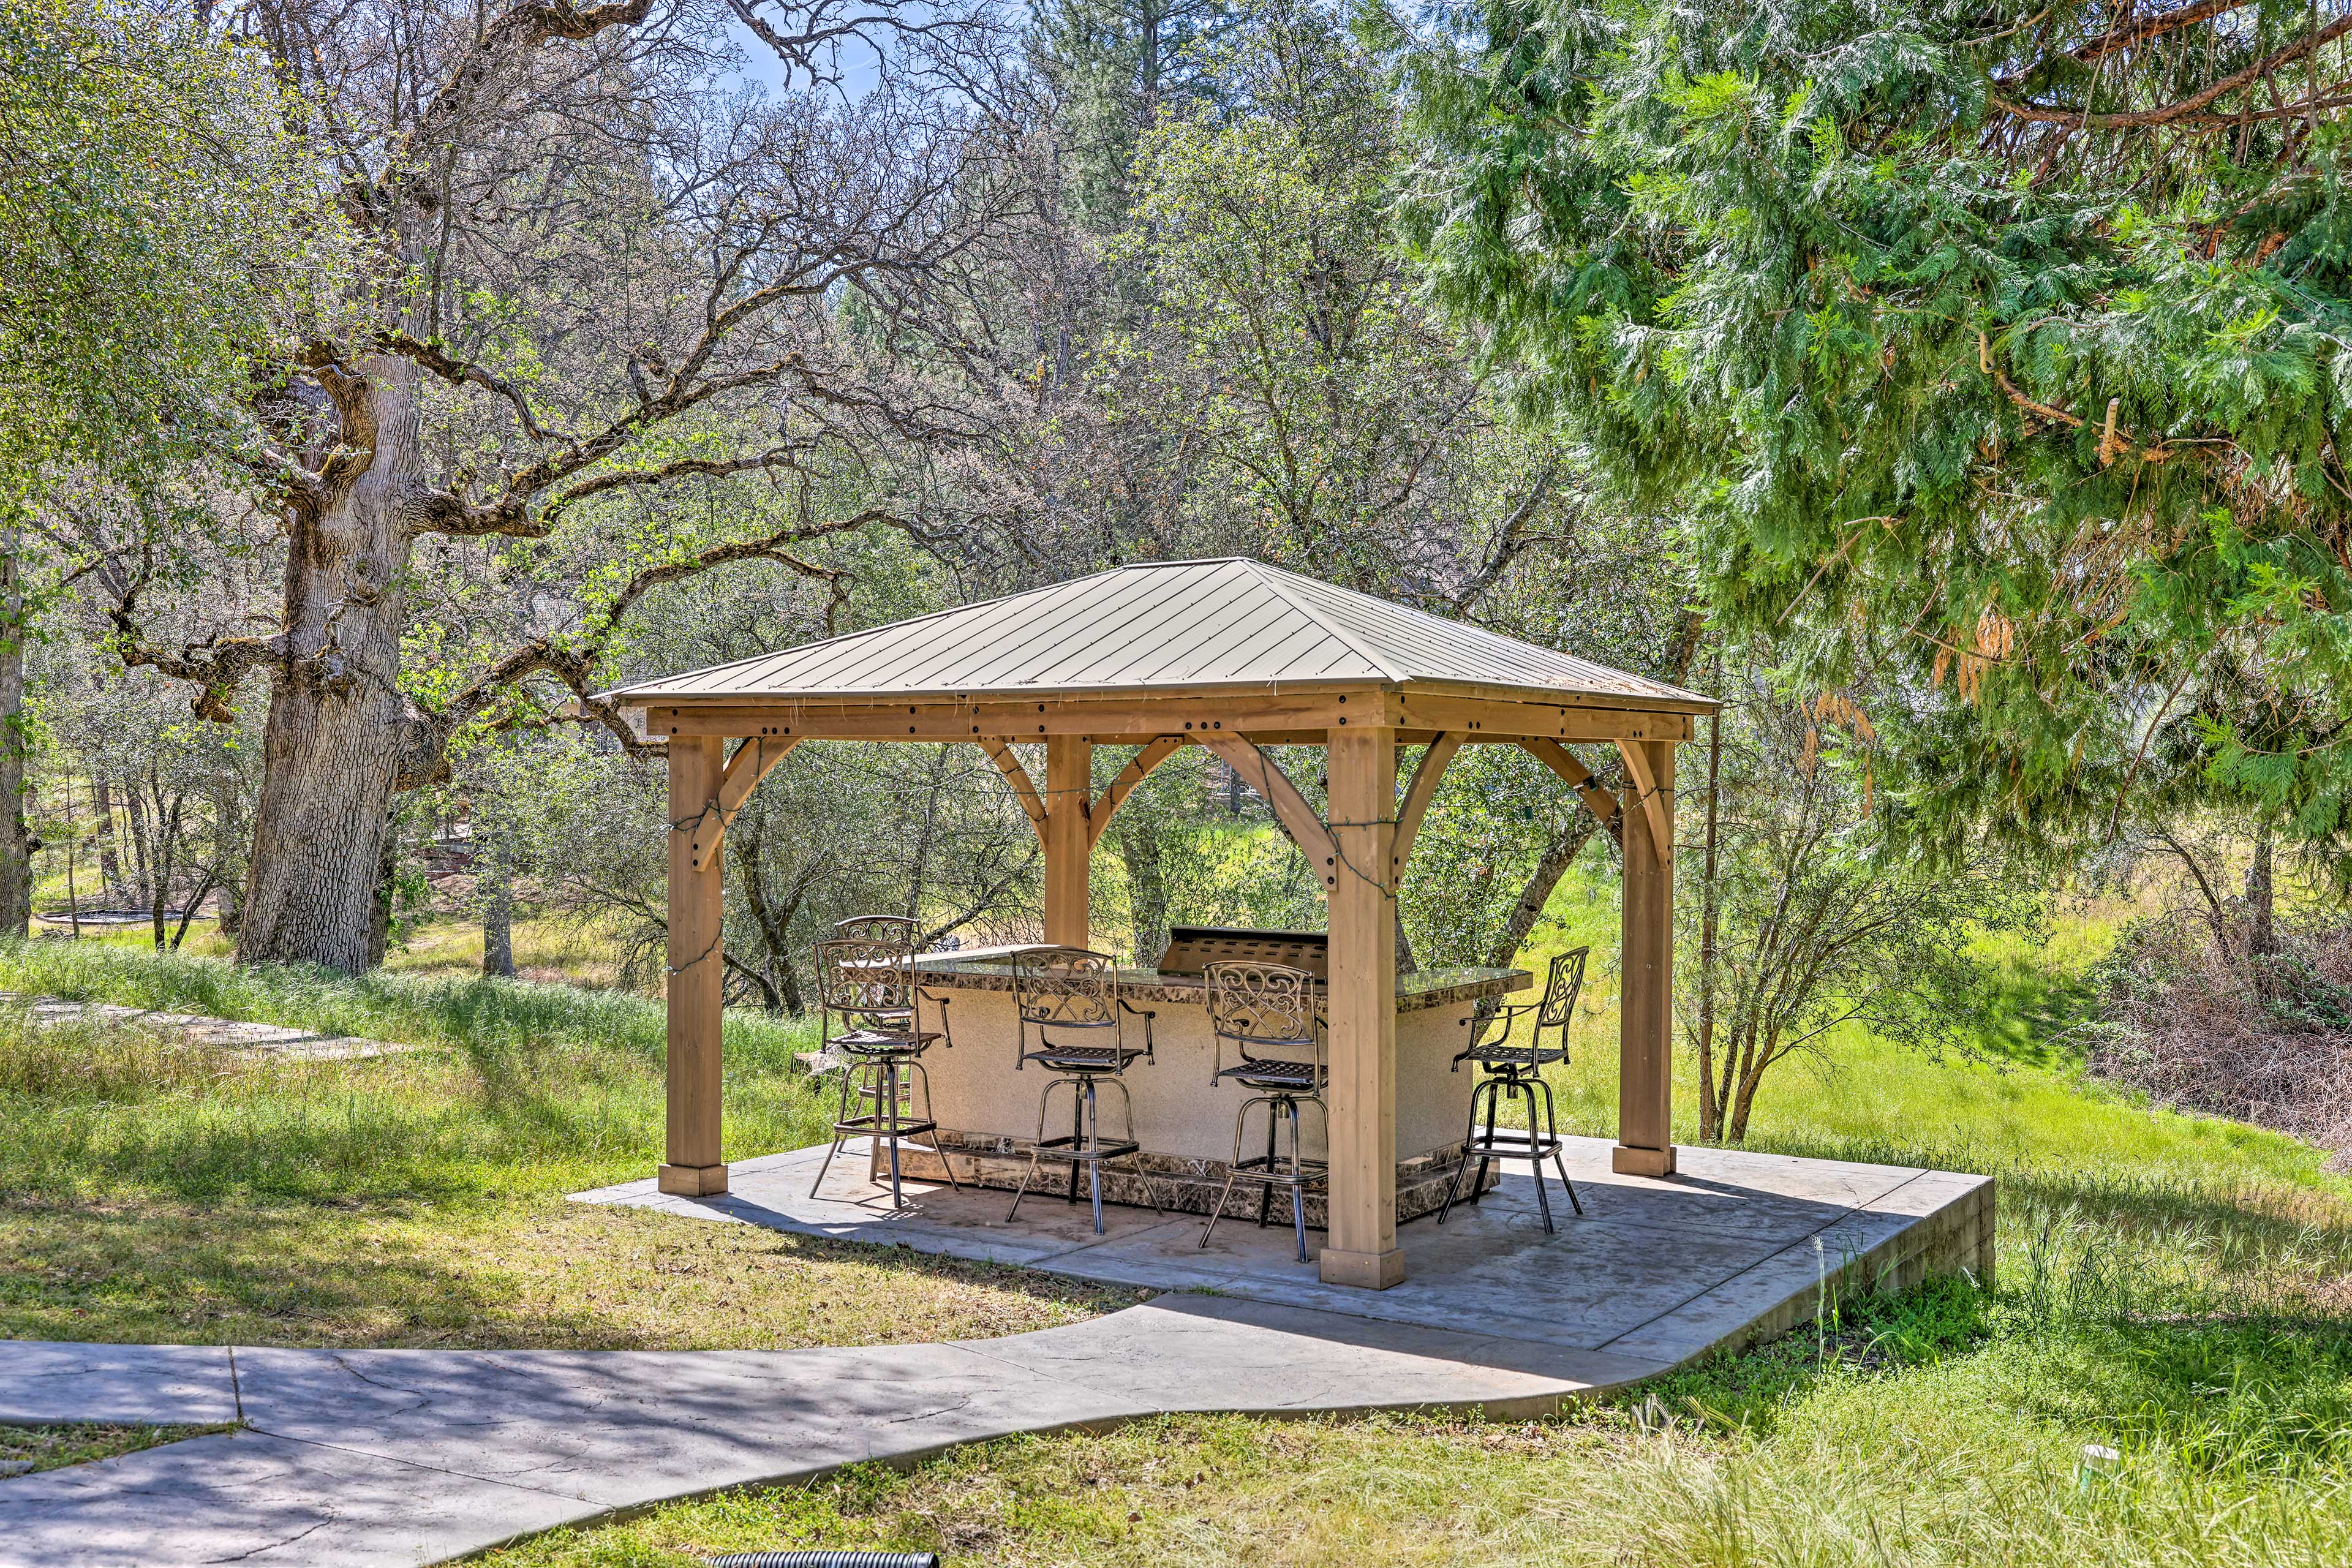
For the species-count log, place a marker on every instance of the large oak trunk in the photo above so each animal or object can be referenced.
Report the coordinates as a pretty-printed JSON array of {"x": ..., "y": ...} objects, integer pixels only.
[{"x": 338, "y": 723}]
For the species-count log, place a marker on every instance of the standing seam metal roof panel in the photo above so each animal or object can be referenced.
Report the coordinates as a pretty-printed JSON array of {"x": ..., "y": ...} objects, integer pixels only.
[{"x": 1157, "y": 625}]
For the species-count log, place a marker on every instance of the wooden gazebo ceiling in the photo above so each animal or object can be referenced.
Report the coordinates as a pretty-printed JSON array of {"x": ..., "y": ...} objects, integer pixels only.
[{"x": 1179, "y": 648}]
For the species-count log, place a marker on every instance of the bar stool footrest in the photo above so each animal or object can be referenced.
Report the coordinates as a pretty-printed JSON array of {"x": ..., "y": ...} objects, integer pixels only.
[
  {"x": 1512, "y": 1145},
  {"x": 1277, "y": 1173},
  {"x": 881, "y": 1126},
  {"x": 1076, "y": 1149}
]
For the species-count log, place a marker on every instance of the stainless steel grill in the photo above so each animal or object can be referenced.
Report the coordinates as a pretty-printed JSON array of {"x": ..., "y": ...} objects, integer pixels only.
[{"x": 1192, "y": 949}]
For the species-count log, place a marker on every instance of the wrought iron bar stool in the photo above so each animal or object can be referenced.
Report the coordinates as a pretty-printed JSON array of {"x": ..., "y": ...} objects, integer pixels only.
[
  {"x": 1070, "y": 998},
  {"x": 867, "y": 992},
  {"x": 1513, "y": 1070},
  {"x": 1268, "y": 1011}
]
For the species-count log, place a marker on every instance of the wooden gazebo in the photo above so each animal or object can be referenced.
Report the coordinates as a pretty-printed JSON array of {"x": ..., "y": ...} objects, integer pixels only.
[{"x": 1236, "y": 656}]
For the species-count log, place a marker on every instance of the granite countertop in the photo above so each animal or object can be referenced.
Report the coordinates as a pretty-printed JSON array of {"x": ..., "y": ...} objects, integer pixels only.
[{"x": 992, "y": 971}]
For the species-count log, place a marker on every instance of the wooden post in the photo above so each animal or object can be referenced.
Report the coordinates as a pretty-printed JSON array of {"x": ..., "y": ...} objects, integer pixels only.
[
  {"x": 1069, "y": 780},
  {"x": 695, "y": 1168},
  {"x": 1645, "y": 1008},
  {"x": 1361, "y": 1249}
]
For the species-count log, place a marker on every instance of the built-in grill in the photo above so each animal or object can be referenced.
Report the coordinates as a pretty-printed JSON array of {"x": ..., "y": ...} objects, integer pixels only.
[{"x": 1192, "y": 949}]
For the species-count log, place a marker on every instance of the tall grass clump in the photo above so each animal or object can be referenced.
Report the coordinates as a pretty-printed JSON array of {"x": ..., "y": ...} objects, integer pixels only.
[{"x": 512, "y": 1089}]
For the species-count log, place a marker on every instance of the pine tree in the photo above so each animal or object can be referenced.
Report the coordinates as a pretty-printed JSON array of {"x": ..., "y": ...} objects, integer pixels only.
[
  {"x": 1117, "y": 66},
  {"x": 1993, "y": 351}
]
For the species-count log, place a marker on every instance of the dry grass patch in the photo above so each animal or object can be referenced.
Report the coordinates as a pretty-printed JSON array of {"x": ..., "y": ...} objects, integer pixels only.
[{"x": 543, "y": 1274}]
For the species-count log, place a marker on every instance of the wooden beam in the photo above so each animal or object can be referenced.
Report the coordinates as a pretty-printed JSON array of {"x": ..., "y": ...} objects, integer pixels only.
[
  {"x": 1645, "y": 1005},
  {"x": 1361, "y": 1246},
  {"x": 1657, "y": 798},
  {"x": 1417, "y": 796},
  {"x": 1561, "y": 761},
  {"x": 751, "y": 763},
  {"x": 1479, "y": 720},
  {"x": 696, "y": 968},
  {"x": 1293, "y": 809},
  {"x": 1128, "y": 721},
  {"x": 1069, "y": 787},
  {"x": 1135, "y": 773},
  {"x": 1000, "y": 751}
]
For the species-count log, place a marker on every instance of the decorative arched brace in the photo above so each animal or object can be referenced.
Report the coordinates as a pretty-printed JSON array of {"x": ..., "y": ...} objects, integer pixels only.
[
  {"x": 1293, "y": 809},
  {"x": 1000, "y": 751},
  {"x": 1561, "y": 761},
  {"x": 1099, "y": 815},
  {"x": 1659, "y": 810},
  {"x": 1417, "y": 796},
  {"x": 750, "y": 764}
]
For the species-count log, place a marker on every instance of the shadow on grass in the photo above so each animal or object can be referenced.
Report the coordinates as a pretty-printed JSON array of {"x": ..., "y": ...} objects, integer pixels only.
[
  {"x": 2033, "y": 1012},
  {"x": 527, "y": 1275}
]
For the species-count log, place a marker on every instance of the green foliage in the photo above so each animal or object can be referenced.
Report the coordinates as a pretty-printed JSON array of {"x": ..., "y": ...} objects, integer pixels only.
[
  {"x": 1989, "y": 364},
  {"x": 158, "y": 235}
]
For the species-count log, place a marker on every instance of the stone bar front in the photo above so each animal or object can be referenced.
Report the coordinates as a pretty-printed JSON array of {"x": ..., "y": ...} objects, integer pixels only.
[{"x": 987, "y": 1112}]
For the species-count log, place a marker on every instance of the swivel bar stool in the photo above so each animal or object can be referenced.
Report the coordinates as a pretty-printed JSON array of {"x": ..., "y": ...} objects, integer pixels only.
[
  {"x": 1513, "y": 1070},
  {"x": 867, "y": 990},
  {"x": 1069, "y": 998},
  {"x": 1267, "y": 1011}
]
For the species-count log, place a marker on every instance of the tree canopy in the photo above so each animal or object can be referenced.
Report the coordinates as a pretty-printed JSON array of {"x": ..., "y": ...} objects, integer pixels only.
[{"x": 1994, "y": 354}]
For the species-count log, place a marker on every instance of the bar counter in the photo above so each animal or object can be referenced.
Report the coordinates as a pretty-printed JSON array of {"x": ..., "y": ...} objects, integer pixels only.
[{"x": 987, "y": 1112}]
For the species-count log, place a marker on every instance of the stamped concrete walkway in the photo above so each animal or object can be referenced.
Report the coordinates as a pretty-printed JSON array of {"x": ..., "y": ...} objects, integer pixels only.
[
  {"x": 274, "y": 1040},
  {"x": 352, "y": 1458}
]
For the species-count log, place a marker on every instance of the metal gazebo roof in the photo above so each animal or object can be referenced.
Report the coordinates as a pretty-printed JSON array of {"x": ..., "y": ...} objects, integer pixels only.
[{"x": 1166, "y": 628}]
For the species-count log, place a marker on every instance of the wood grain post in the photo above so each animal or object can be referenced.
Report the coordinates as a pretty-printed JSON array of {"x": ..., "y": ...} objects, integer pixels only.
[
  {"x": 1645, "y": 1008},
  {"x": 1361, "y": 1249},
  {"x": 1069, "y": 779},
  {"x": 696, "y": 968}
]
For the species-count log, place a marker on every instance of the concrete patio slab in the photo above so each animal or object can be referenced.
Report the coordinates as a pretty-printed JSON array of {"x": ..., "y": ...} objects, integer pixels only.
[{"x": 1660, "y": 1268}]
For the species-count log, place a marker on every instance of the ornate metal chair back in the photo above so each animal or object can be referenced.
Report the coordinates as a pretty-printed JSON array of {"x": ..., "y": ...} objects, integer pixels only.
[
  {"x": 1263, "y": 1005},
  {"x": 1560, "y": 989},
  {"x": 1065, "y": 988},
  {"x": 900, "y": 931},
  {"x": 861, "y": 978}
]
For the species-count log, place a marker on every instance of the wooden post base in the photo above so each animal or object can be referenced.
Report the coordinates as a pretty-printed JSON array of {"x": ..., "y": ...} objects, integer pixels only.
[
  {"x": 1364, "y": 1270},
  {"x": 1627, "y": 1161},
  {"x": 692, "y": 1181}
]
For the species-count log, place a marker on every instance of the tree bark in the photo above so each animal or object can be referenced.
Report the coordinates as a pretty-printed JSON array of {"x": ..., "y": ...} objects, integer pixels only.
[
  {"x": 1557, "y": 856},
  {"x": 2261, "y": 899},
  {"x": 338, "y": 724},
  {"x": 498, "y": 921},
  {"x": 16, "y": 835},
  {"x": 109, "y": 869},
  {"x": 1147, "y": 882}
]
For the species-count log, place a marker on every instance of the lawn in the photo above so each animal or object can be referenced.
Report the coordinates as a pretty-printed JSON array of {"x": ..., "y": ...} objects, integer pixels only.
[
  {"x": 2176, "y": 1288},
  {"x": 149, "y": 1193}
]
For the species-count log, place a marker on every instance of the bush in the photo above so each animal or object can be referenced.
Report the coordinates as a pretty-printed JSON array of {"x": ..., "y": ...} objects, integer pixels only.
[{"x": 2201, "y": 1022}]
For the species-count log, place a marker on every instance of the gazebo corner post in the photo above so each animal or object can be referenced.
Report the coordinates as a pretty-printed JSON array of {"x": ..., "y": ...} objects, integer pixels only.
[
  {"x": 1069, "y": 781},
  {"x": 696, "y": 970},
  {"x": 1361, "y": 1246},
  {"x": 1645, "y": 1009}
]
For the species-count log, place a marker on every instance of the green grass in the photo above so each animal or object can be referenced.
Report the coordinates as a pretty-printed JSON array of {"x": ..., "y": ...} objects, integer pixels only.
[
  {"x": 28, "y": 1450},
  {"x": 155, "y": 1191}
]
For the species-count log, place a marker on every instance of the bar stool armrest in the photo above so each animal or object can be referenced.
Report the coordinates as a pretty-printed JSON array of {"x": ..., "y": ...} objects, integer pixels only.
[
  {"x": 1147, "y": 1014},
  {"x": 1506, "y": 1016},
  {"x": 947, "y": 1025}
]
